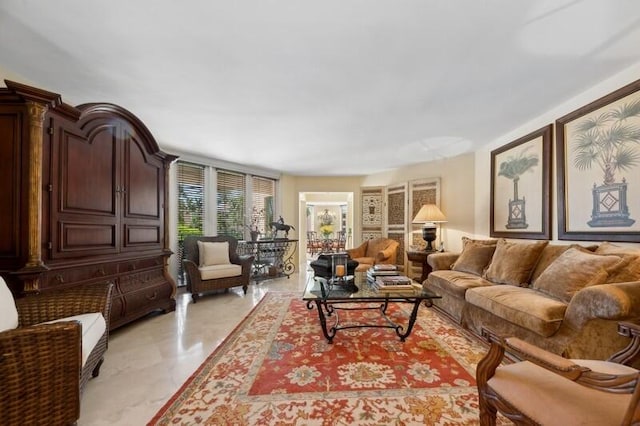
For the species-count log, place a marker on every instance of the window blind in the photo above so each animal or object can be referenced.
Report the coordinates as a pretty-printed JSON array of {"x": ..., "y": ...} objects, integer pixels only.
[
  {"x": 230, "y": 203},
  {"x": 190, "y": 206},
  {"x": 262, "y": 200}
]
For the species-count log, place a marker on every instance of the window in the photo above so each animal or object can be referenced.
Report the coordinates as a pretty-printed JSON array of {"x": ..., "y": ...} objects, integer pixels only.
[
  {"x": 263, "y": 193},
  {"x": 190, "y": 204},
  {"x": 230, "y": 204}
]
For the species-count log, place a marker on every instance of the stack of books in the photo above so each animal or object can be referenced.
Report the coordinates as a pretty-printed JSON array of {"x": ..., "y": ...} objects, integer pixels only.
[
  {"x": 393, "y": 283},
  {"x": 380, "y": 271}
]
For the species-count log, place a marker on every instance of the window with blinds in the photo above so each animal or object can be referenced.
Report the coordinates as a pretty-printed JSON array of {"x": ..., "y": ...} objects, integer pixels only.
[
  {"x": 230, "y": 206},
  {"x": 190, "y": 205},
  {"x": 263, "y": 193}
]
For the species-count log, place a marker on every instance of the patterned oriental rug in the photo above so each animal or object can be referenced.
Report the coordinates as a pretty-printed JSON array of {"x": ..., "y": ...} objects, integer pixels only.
[{"x": 276, "y": 368}]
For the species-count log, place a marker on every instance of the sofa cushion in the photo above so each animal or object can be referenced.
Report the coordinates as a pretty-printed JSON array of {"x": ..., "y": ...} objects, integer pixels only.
[
  {"x": 213, "y": 253},
  {"x": 93, "y": 327},
  {"x": 213, "y": 272},
  {"x": 572, "y": 271},
  {"x": 454, "y": 282},
  {"x": 475, "y": 256},
  {"x": 524, "y": 307},
  {"x": 8, "y": 310},
  {"x": 513, "y": 262}
]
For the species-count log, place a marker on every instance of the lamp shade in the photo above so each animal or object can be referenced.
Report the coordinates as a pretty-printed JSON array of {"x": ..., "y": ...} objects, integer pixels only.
[{"x": 429, "y": 213}]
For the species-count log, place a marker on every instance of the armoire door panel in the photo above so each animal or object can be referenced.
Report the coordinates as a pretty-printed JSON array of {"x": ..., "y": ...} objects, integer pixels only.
[
  {"x": 85, "y": 238},
  {"x": 143, "y": 179},
  {"x": 140, "y": 235},
  {"x": 88, "y": 172},
  {"x": 11, "y": 126}
]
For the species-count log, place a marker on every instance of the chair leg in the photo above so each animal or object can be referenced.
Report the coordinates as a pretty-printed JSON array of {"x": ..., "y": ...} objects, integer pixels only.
[
  {"x": 96, "y": 369},
  {"x": 487, "y": 412},
  {"x": 194, "y": 297},
  {"x": 244, "y": 288}
]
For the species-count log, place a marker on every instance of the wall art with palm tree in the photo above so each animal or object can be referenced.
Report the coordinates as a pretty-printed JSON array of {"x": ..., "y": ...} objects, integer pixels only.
[
  {"x": 599, "y": 168},
  {"x": 520, "y": 187}
]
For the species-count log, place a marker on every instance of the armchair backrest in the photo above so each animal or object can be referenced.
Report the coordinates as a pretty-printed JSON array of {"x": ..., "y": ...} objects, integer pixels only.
[{"x": 192, "y": 253}]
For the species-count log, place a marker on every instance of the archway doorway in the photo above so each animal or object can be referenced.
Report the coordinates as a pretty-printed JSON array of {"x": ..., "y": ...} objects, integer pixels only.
[{"x": 329, "y": 212}]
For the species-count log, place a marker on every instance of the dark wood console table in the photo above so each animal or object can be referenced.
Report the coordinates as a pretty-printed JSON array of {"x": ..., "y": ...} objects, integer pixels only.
[
  {"x": 420, "y": 256},
  {"x": 273, "y": 258}
]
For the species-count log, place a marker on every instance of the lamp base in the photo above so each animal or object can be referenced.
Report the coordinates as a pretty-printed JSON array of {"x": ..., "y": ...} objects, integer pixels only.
[{"x": 429, "y": 235}]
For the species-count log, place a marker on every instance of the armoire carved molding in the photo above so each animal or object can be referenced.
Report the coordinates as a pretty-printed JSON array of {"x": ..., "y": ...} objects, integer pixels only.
[{"x": 84, "y": 195}]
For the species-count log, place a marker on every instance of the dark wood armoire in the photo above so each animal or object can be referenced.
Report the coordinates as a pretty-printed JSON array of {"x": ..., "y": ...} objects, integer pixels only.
[{"x": 83, "y": 199}]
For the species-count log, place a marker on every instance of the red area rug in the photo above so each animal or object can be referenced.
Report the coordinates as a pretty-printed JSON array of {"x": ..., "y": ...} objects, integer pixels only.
[{"x": 276, "y": 368}]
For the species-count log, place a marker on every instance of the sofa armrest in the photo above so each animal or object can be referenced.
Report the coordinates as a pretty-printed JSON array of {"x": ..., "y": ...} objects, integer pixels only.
[
  {"x": 439, "y": 261},
  {"x": 619, "y": 301},
  {"x": 69, "y": 302}
]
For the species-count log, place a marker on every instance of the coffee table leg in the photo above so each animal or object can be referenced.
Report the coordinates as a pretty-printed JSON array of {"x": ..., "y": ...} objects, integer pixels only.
[
  {"x": 412, "y": 321},
  {"x": 323, "y": 320}
]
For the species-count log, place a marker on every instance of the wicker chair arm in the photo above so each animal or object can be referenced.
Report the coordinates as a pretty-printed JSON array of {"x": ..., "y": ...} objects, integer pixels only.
[
  {"x": 39, "y": 368},
  {"x": 58, "y": 304},
  {"x": 193, "y": 274},
  {"x": 245, "y": 261}
]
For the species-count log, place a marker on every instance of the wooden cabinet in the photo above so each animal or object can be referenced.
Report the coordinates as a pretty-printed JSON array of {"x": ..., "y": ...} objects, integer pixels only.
[{"x": 87, "y": 190}]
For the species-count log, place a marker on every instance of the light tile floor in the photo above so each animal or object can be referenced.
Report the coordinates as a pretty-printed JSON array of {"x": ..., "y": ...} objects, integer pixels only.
[{"x": 148, "y": 360}]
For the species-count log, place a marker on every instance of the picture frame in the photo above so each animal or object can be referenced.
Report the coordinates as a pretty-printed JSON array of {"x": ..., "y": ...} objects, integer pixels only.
[
  {"x": 598, "y": 165},
  {"x": 520, "y": 204}
]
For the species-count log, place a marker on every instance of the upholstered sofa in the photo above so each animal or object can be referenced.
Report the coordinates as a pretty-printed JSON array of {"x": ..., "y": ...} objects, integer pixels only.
[
  {"x": 374, "y": 251},
  {"x": 567, "y": 299}
]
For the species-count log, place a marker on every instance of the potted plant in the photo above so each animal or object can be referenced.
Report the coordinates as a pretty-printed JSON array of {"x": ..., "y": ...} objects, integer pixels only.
[{"x": 257, "y": 216}]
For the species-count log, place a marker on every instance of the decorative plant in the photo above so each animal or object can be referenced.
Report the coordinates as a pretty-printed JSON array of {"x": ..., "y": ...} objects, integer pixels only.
[
  {"x": 257, "y": 217},
  {"x": 514, "y": 167},
  {"x": 605, "y": 140}
]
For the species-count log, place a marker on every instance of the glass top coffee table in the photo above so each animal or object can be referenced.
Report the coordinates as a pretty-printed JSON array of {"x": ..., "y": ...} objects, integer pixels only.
[{"x": 330, "y": 296}]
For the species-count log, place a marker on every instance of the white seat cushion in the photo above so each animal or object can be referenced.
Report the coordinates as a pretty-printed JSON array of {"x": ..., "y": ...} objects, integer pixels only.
[
  {"x": 8, "y": 311},
  {"x": 93, "y": 327},
  {"x": 220, "y": 271}
]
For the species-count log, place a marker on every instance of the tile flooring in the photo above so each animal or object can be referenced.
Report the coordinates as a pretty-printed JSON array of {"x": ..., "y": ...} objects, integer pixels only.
[{"x": 148, "y": 360}]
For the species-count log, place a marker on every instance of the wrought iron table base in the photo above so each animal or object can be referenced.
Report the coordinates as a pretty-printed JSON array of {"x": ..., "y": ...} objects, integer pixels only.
[{"x": 331, "y": 310}]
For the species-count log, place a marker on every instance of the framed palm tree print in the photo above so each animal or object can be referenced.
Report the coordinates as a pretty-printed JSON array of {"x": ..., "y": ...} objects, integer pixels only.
[
  {"x": 521, "y": 187},
  {"x": 598, "y": 149}
]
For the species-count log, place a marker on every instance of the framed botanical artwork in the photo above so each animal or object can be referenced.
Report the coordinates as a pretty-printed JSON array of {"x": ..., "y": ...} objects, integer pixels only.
[
  {"x": 521, "y": 187},
  {"x": 598, "y": 149}
]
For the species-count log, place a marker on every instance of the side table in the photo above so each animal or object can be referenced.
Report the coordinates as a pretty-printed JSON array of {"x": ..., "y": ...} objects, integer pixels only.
[{"x": 420, "y": 256}]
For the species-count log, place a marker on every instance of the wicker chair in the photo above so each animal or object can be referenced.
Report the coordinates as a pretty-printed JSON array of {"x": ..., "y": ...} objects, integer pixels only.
[
  {"x": 545, "y": 388},
  {"x": 192, "y": 266},
  {"x": 41, "y": 370}
]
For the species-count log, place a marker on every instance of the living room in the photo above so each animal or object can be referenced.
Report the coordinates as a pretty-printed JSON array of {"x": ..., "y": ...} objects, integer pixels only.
[{"x": 149, "y": 359}]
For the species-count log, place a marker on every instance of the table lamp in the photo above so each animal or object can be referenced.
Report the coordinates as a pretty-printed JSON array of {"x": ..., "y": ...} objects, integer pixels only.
[{"x": 429, "y": 216}]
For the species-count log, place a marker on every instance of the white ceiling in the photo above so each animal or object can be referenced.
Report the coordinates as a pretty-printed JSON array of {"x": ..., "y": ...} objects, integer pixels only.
[{"x": 329, "y": 87}]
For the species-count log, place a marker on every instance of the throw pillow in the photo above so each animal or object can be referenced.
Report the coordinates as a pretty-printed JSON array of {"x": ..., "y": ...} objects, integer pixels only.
[
  {"x": 213, "y": 253},
  {"x": 627, "y": 270},
  {"x": 475, "y": 256},
  {"x": 550, "y": 253},
  {"x": 608, "y": 248},
  {"x": 8, "y": 311},
  {"x": 572, "y": 271},
  {"x": 513, "y": 262}
]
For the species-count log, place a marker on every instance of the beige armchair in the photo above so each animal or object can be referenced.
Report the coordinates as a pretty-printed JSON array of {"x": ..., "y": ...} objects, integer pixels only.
[
  {"x": 545, "y": 388},
  {"x": 51, "y": 344},
  {"x": 212, "y": 263},
  {"x": 375, "y": 251}
]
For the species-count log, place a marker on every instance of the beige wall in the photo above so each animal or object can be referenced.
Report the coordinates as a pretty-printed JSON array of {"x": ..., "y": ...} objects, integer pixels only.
[{"x": 483, "y": 155}]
